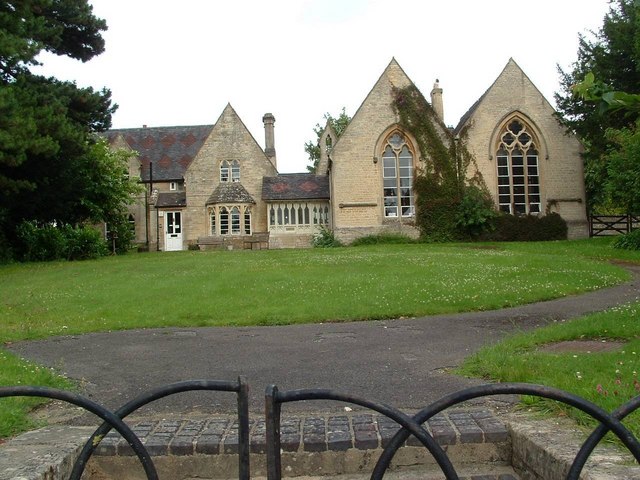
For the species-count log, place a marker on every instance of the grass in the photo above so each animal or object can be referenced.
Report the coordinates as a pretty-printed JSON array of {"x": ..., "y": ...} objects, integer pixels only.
[
  {"x": 187, "y": 289},
  {"x": 607, "y": 379}
]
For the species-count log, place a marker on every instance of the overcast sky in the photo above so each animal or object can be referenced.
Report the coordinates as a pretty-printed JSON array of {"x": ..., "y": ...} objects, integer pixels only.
[{"x": 172, "y": 62}]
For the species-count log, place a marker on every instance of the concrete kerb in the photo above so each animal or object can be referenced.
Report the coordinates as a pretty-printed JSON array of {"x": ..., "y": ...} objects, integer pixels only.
[{"x": 480, "y": 444}]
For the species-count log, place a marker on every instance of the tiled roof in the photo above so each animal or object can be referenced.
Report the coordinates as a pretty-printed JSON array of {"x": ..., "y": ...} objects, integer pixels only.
[
  {"x": 171, "y": 149},
  {"x": 171, "y": 199},
  {"x": 295, "y": 186},
  {"x": 230, "y": 192}
]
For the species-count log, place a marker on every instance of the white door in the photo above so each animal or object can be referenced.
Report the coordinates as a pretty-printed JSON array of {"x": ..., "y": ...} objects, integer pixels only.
[{"x": 173, "y": 229}]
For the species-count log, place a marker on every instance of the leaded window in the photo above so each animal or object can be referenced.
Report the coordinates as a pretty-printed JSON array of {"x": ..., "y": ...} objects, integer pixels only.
[
  {"x": 298, "y": 216},
  {"x": 397, "y": 177},
  {"x": 518, "y": 170},
  {"x": 224, "y": 171}
]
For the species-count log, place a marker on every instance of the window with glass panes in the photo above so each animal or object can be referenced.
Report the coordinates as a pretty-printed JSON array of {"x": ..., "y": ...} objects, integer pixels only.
[
  {"x": 518, "y": 170},
  {"x": 230, "y": 220},
  {"x": 397, "y": 177}
]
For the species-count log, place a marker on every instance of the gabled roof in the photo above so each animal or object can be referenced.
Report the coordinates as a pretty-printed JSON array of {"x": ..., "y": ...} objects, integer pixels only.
[
  {"x": 295, "y": 186},
  {"x": 171, "y": 149},
  {"x": 171, "y": 199},
  {"x": 230, "y": 192},
  {"x": 511, "y": 64}
]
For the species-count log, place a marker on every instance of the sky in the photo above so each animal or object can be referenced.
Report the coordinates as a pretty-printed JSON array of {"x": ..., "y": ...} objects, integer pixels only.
[{"x": 171, "y": 62}]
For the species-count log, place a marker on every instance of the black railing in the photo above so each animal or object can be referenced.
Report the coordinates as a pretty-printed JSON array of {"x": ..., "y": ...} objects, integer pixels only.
[
  {"x": 114, "y": 420},
  {"x": 274, "y": 399},
  {"x": 605, "y": 225}
]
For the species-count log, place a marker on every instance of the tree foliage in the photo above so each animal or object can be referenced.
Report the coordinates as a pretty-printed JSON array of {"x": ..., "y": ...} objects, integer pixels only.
[
  {"x": 613, "y": 56},
  {"x": 339, "y": 124},
  {"x": 53, "y": 167}
]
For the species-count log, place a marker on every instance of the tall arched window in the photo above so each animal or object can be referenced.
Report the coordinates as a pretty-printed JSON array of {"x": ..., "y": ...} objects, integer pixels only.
[
  {"x": 230, "y": 172},
  {"x": 397, "y": 174},
  {"x": 235, "y": 171},
  {"x": 518, "y": 173}
]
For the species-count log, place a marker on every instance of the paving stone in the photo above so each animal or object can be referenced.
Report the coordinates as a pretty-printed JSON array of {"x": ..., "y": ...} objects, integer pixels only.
[{"x": 208, "y": 444}]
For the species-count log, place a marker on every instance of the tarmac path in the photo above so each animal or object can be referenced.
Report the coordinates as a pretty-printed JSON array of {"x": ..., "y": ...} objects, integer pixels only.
[{"x": 402, "y": 362}]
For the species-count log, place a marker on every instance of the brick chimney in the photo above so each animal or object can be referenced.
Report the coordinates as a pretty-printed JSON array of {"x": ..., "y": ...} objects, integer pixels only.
[
  {"x": 269, "y": 142},
  {"x": 436, "y": 100}
]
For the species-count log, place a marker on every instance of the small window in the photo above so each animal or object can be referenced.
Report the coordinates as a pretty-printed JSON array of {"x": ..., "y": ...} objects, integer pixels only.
[
  {"x": 224, "y": 171},
  {"x": 173, "y": 186}
]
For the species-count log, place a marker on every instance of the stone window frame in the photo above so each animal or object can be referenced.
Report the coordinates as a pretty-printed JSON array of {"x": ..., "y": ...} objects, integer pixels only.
[
  {"x": 230, "y": 219},
  {"x": 518, "y": 177},
  {"x": 229, "y": 171},
  {"x": 402, "y": 182}
]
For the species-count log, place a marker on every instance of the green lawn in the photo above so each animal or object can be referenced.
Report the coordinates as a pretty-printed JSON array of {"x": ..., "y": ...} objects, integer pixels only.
[
  {"x": 285, "y": 286},
  {"x": 608, "y": 379}
]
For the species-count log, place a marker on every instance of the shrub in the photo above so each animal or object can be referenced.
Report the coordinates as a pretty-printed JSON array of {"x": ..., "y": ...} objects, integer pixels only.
[
  {"x": 527, "y": 228},
  {"x": 383, "y": 239},
  {"x": 48, "y": 242},
  {"x": 39, "y": 243},
  {"x": 84, "y": 243},
  {"x": 629, "y": 241},
  {"x": 325, "y": 238},
  {"x": 475, "y": 213}
]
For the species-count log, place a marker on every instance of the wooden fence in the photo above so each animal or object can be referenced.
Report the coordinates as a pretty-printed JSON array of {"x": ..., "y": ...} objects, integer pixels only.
[{"x": 603, "y": 225}]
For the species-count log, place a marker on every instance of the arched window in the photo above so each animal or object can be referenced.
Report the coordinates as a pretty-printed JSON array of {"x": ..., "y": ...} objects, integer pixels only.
[
  {"x": 235, "y": 221},
  {"x": 397, "y": 174},
  {"x": 224, "y": 221},
  {"x": 212, "y": 220},
  {"x": 224, "y": 171},
  {"x": 247, "y": 221},
  {"x": 132, "y": 224},
  {"x": 235, "y": 171},
  {"x": 230, "y": 172},
  {"x": 518, "y": 172}
]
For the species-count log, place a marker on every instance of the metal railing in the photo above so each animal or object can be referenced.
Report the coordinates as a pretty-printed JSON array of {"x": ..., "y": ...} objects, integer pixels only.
[
  {"x": 114, "y": 420},
  {"x": 275, "y": 399}
]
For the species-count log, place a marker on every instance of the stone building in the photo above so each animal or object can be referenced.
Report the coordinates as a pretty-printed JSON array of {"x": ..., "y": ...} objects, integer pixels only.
[{"x": 214, "y": 186}]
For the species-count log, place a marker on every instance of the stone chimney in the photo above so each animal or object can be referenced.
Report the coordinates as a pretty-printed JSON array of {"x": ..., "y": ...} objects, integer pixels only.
[
  {"x": 436, "y": 100},
  {"x": 269, "y": 142}
]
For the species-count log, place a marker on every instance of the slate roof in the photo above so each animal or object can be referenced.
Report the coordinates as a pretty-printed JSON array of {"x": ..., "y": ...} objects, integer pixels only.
[
  {"x": 295, "y": 186},
  {"x": 171, "y": 199},
  {"x": 230, "y": 192},
  {"x": 171, "y": 149}
]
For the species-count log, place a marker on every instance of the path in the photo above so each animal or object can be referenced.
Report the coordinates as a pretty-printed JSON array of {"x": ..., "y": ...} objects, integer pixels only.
[{"x": 402, "y": 362}]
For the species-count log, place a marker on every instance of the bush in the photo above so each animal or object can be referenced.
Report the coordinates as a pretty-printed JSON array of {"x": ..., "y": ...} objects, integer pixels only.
[
  {"x": 48, "y": 242},
  {"x": 84, "y": 243},
  {"x": 39, "y": 243},
  {"x": 325, "y": 239},
  {"x": 475, "y": 213},
  {"x": 383, "y": 239},
  {"x": 629, "y": 241},
  {"x": 527, "y": 228}
]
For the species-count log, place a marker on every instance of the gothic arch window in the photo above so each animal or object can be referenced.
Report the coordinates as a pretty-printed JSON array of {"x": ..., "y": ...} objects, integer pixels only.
[
  {"x": 230, "y": 171},
  {"x": 517, "y": 161},
  {"x": 397, "y": 176}
]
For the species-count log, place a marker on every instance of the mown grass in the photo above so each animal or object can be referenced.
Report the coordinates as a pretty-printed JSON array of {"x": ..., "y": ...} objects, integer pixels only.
[
  {"x": 187, "y": 289},
  {"x": 607, "y": 379}
]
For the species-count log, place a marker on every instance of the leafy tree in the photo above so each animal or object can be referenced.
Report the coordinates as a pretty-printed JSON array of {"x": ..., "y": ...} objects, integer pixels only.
[
  {"x": 613, "y": 56},
  {"x": 339, "y": 124},
  {"x": 53, "y": 167}
]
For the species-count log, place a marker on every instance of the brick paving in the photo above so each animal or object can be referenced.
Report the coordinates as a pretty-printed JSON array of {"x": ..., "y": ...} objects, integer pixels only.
[{"x": 304, "y": 433}]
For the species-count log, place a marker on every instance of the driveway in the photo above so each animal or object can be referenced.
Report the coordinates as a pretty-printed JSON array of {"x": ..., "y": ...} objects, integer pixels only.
[{"x": 404, "y": 362}]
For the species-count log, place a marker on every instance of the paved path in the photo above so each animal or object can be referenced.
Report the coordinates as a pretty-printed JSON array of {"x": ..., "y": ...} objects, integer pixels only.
[{"x": 403, "y": 362}]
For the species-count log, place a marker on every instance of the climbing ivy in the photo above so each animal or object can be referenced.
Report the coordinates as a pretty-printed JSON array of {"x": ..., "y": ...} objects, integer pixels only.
[{"x": 450, "y": 203}]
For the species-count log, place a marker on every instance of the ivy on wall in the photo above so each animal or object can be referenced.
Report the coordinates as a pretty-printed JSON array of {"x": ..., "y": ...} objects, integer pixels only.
[{"x": 452, "y": 201}]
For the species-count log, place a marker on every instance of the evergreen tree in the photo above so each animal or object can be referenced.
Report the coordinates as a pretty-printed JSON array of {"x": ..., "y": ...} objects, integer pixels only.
[{"x": 52, "y": 167}]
